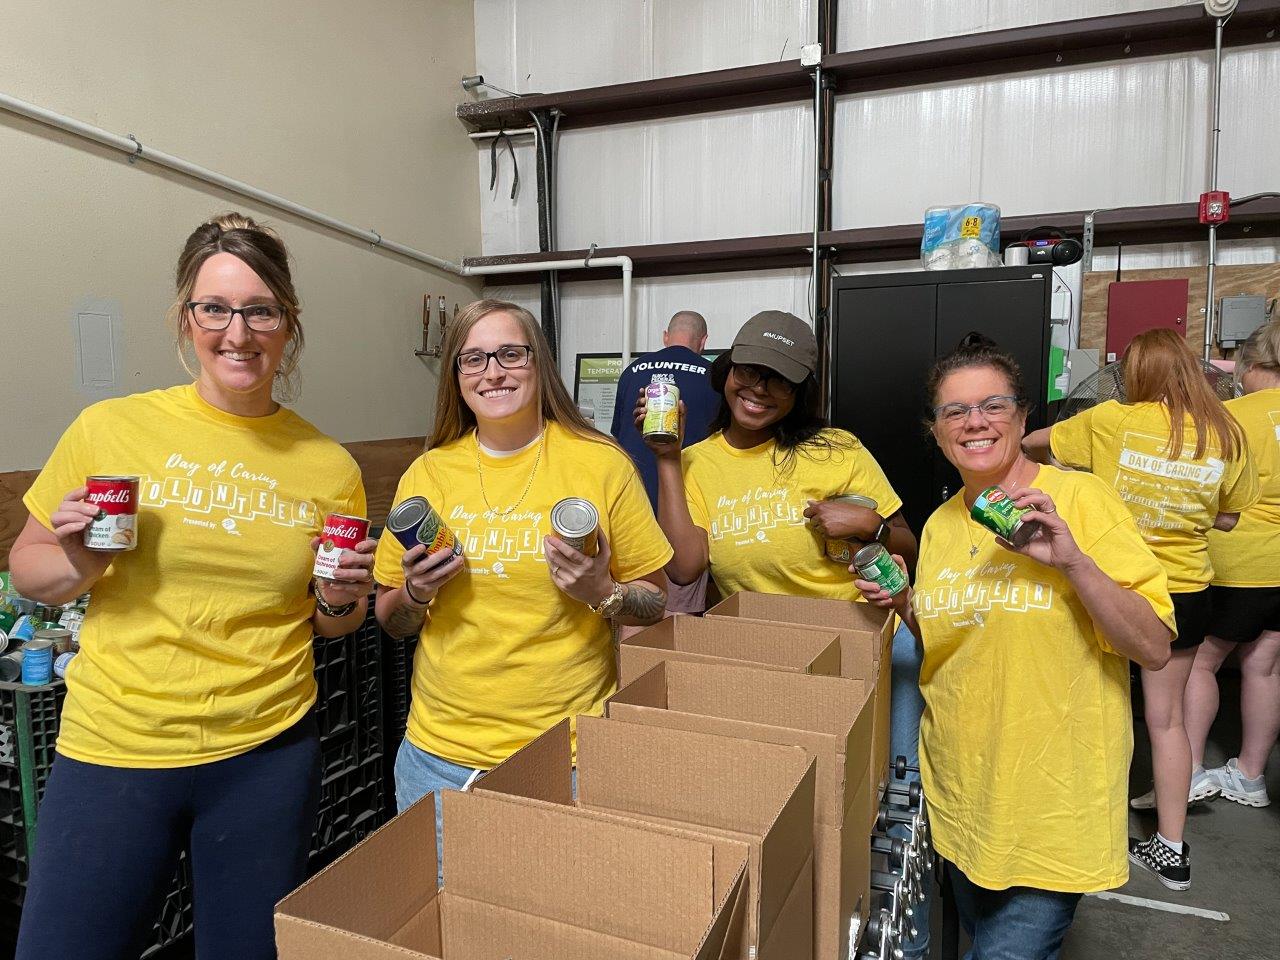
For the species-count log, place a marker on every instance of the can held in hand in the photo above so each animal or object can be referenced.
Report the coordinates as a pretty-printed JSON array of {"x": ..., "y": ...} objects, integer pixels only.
[
  {"x": 61, "y": 663},
  {"x": 577, "y": 523},
  {"x": 415, "y": 521},
  {"x": 662, "y": 411},
  {"x": 59, "y": 637},
  {"x": 842, "y": 551},
  {"x": 875, "y": 564},
  {"x": 37, "y": 663},
  {"x": 115, "y": 528},
  {"x": 994, "y": 509},
  {"x": 340, "y": 533}
]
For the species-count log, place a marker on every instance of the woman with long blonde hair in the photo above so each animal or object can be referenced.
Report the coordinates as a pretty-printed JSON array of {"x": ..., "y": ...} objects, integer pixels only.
[
  {"x": 1178, "y": 460},
  {"x": 514, "y": 633},
  {"x": 1246, "y": 590}
]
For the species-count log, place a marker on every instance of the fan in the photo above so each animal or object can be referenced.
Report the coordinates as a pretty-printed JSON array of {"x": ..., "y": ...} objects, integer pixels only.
[{"x": 1108, "y": 384}]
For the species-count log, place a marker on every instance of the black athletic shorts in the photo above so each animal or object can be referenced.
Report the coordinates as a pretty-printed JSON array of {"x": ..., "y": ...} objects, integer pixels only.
[
  {"x": 1192, "y": 612},
  {"x": 1241, "y": 613}
]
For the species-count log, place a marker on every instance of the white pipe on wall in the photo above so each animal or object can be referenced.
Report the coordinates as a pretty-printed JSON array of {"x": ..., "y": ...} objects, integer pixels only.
[{"x": 132, "y": 147}]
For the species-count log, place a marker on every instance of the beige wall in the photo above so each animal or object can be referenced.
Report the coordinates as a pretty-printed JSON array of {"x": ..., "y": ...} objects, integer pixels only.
[{"x": 343, "y": 107}]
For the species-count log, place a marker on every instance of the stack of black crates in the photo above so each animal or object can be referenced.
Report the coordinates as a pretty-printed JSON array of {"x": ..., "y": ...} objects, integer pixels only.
[{"x": 355, "y": 791}]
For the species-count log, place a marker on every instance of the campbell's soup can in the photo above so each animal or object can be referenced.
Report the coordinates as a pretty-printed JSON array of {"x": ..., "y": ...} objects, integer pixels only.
[
  {"x": 415, "y": 521},
  {"x": 577, "y": 523},
  {"x": 116, "y": 525},
  {"x": 662, "y": 411},
  {"x": 340, "y": 533}
]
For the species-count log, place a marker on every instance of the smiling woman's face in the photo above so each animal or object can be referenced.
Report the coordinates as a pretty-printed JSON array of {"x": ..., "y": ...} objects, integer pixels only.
[{"x": 978, "y": 445}]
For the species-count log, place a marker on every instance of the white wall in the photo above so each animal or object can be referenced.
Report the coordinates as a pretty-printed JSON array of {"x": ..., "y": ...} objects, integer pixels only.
[
  {"x": 1095, "y": 136},
  {"x": 347, "y": 108}
]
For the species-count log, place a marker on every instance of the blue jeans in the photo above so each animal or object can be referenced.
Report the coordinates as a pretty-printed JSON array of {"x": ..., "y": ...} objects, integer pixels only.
[
  {"x": 109, "y": 840},
  {"x": 1021, "y": 923},
  {"x": 904, "y": 740},
  {"x": 419, "y": 773}
]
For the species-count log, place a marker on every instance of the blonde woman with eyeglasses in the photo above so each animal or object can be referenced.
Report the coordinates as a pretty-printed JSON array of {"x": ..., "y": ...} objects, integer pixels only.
[
  {"x": 188, "y": 719},
  {"x": 514, "y": 634}
]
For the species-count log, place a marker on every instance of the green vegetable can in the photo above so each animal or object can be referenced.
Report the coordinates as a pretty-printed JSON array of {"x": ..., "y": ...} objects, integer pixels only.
[
  {"x": 995, "y": 510},
  {"x": 875, "y": 564}
]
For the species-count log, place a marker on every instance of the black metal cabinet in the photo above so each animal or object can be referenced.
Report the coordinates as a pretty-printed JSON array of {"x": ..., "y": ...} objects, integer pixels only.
[{"x": 887, "y": 329}]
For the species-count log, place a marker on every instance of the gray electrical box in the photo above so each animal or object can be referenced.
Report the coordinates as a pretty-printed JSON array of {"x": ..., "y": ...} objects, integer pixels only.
[{"x": 1239, "y": 316}]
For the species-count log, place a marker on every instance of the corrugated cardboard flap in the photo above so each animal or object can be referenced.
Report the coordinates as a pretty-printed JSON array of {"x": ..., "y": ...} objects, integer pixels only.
[
  {"x": 606, "y": 877},
  {"x": 816, "y": 611},
  {"x": 542, "y": 769}
]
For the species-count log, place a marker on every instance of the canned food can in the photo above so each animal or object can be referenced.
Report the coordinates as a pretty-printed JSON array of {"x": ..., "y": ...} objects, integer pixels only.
[
  {"x": 59, "y": 637},
  {"x": 842, "y": 551},
  {"x": 994, "y": 509},
  {"x": 115, "y": 527},
  {"x": 61, "y": 663},
  {"x": 874, "y": 563},
  {"x": 8, "y": 616},
  {"x": 23, "y": 630},
  {"x": 11, "y": 666},
  {"x": 577, "y": 523},
  {"x": 662, "y": 411},
  {"x": 415, "y": 521},
  {"x": 37, "y": 663},
  {"x": 340, "y": 533}
]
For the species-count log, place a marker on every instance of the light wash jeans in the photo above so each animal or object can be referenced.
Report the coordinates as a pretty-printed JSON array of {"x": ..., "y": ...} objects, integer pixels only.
[
  {"x": 419, "y": 773},
  {"x": 904, "y": 740}
]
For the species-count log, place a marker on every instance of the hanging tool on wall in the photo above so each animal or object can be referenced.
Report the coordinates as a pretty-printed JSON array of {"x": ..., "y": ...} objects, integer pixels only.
[
  {"x": 493, "y": 163},
  {"x": 428, "y": 350}
]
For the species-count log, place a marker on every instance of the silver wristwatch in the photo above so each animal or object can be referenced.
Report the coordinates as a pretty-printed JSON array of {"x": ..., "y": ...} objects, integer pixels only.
[{"x": 610, "y": 605}]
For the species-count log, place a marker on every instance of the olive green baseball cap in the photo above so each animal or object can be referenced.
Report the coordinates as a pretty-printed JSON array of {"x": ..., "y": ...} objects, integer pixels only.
[{"x": 780, "y": 341}]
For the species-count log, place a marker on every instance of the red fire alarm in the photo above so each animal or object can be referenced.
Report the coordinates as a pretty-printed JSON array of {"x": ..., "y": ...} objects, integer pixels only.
[{"x": 1215, "y": 206}]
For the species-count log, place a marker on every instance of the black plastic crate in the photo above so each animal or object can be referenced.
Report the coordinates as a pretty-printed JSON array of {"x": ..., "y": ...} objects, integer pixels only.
[
  {"x": 397, "y": 690},
  {"x": 177, "y": 914},
  {"x": 352, "y": 806}
]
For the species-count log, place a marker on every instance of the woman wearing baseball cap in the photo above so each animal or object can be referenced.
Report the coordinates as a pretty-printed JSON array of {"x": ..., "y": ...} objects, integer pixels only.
[{"x": 751, "y": 502}]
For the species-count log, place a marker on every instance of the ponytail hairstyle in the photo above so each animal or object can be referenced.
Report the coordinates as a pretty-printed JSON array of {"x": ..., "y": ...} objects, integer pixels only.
[
  {"x": 1159, "y": 367},
  {"x": 264, "y": 253},
  {"x": 975, "y": 350},
  {"x": 1261, "y": 351},
  {"x": 454, "y": 418}
]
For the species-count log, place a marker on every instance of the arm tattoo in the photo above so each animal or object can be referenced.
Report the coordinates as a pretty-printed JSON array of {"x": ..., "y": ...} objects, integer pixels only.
[
  {"x": 642, "y": 602},
  {"x": 406, "y": 620}
]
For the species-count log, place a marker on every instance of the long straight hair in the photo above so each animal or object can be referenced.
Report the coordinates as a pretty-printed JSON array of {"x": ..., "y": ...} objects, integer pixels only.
[
  {"x": 1160, "y": 368},
  {"x": 454, "y": 418}
]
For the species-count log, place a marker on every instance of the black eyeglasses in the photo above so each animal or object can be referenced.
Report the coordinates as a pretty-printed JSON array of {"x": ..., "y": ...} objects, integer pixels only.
[
  {"x": 211, "y": 315},
  {"x": 749, "y": 375},
  {"x": 510, "y": 356}
]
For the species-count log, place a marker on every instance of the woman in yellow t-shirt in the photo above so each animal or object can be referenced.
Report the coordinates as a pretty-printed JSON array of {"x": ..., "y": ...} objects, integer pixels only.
[
  {"x": 1178, "y": 460},
  {"x": 1026, "y": 736},
  {"x": 188, "y": 719},
  {"x": 517, "y": 635},
  {"x": 1246, "y": 590}
]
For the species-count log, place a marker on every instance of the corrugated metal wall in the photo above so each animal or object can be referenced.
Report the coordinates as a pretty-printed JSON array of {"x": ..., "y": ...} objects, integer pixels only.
[{"x": 1094, "y": 136}]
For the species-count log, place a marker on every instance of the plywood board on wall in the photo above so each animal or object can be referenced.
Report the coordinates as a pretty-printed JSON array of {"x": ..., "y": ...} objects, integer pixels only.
[
  {"x": 1257, "y": 279},
  {"x": 382, "y": 462}
]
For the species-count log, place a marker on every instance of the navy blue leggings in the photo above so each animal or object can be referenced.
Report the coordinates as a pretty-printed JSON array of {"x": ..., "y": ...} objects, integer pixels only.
[{"x": 108, "y": 840}]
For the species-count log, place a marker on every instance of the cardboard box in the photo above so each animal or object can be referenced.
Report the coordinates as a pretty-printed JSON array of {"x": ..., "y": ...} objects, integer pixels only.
[
  {"x": 866, "y": 646},
  {"x": 522, "y": 882},
  {"x": 696, "y": 639},
  {"x": 830, "y": 718},
  {"x": 758, "y": 793}
]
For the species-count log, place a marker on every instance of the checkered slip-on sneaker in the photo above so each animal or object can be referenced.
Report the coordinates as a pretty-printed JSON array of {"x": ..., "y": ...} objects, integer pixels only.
[{"x": 1171, "y": 868}]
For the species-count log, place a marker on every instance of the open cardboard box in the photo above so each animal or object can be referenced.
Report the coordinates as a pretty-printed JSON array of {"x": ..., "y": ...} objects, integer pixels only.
[
  {"x": 830, "y": 718},
  {"x": 534, "y": 883},
  {"x": 866, "y": 646},
  {"x": 758, "y": 793},
  {"x": 697, "y": 639}
]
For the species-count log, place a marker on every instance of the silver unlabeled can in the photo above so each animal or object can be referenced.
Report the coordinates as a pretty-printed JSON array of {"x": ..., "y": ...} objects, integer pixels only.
[{"x": 577, "y": 523}]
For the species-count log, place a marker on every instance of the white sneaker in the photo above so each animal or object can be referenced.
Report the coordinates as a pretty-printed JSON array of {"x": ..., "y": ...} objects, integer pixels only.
[
  {"x": 1235, "y": 786},
  {"x": 1203, "y": 787}
]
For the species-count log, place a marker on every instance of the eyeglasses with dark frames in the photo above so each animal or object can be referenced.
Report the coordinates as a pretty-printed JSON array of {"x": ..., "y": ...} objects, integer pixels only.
[
  {"x": 211, "y": 315},
  {"x": 510, "y": 356},
  {"x": 749, "y": 375}
]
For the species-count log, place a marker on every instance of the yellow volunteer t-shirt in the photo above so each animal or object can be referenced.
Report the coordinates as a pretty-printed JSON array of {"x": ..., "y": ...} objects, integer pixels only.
[
  {"x": 197, "y": 644},
  {"x": 753, "y": 512},
  {"x": 1175, "y": 502},
  {"x": 1026, "y": 735},
  {"x": 505, "y": 655},
  {"x": 1249, "y": 555}
]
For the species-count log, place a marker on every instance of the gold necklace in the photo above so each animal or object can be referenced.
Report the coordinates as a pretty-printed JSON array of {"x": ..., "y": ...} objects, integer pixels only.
[{"x": 503, "y": 514}]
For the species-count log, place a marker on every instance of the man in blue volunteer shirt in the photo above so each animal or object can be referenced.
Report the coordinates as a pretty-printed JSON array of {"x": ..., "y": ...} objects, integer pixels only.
[{"x": 680, "y": 361}]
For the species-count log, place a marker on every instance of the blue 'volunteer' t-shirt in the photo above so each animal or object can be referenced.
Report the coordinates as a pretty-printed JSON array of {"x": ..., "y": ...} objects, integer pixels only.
[{"x": 688, "y": 371}]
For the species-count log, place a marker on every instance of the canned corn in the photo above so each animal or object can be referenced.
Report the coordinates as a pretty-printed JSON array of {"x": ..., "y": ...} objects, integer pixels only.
[
  {"x": 662, "y": 411},
  {"x": 415, "y": 521},
  {"x": 842, "y": 551}
]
